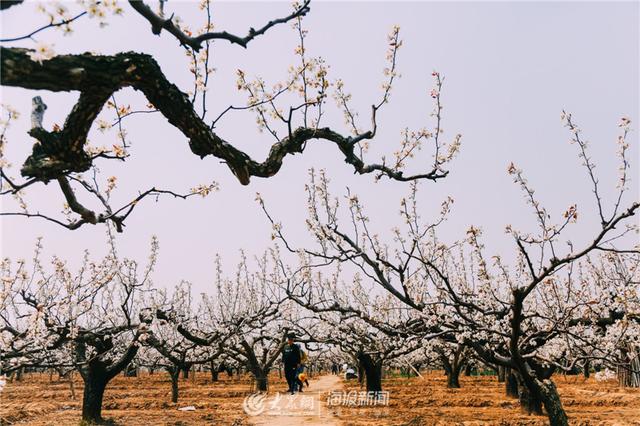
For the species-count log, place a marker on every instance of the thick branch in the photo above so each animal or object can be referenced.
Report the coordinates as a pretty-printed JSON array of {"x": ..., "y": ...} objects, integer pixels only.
[
  {"x": 6, "y": 4},
  {"x": 97, "y": 77},
  {"x": 159, "y": 23}
]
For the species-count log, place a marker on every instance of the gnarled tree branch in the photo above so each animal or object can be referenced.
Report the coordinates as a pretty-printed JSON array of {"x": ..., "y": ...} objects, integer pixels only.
[
  {"x": 6, "y": 4},
  {"x": 159, "y": 23},
  {"x": 97, "y": 77}
]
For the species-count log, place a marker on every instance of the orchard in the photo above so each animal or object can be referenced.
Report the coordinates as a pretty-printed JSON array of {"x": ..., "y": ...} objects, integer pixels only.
[{"x": 192, "y": 191}]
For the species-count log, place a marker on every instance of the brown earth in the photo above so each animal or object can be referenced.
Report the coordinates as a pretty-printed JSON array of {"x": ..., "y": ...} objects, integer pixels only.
[
  {"x": 302, "y": 409},
  {"x": 482, "y": 401},
  {"x": 38, "y": 400},
  {"x": 144, "y": 400}
]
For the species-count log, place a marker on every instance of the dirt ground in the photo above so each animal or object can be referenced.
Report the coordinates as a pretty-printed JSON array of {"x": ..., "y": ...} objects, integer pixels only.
[
  {"x": 303, "y": 409},
  {"x": 136, "y": 401},
  {"x": 482, "y": 401},
  {"x": 145, "y": 400}
]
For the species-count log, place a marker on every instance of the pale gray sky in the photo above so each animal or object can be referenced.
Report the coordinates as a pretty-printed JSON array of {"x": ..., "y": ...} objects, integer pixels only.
[{"x": 510, "y": 69}]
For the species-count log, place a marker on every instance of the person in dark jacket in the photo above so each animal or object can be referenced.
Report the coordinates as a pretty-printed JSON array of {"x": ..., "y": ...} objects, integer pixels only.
[{"x": 291, "y": 359}]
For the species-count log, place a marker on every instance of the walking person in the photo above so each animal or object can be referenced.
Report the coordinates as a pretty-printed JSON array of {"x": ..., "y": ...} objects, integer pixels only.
[{"x": 291, "y": 358}]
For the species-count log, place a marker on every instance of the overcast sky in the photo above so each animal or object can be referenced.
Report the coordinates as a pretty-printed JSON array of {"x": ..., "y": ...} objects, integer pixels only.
[{"x": 510, "y": 69}]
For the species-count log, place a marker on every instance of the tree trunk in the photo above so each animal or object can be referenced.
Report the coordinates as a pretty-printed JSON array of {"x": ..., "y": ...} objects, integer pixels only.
[
  {"x": 628, "y": 370},
  {"x": 530, "y": 403},
  {"x": 467, "y": 370},
  {"x": 72, "y": 386},
  {"x": 453, "y": 379},
  {"x": 261, "y": 377},
  {"x": 95, "y": 383},
  {"x": 262, "y": 382},
  {"x": 374, "y": 378},
  {"x": 373, "y": 372},
  {"x": 96, "y": 374},
  {"x": 501, "y": 374},
  {"x": 215, "y": 369},
  {"x": 552, "y": 404},
  {"x": 511, "y": 384},
  {"x": 453, "y": 365},
  {"x": 452, "y": 371},
  {"x": 175, "y": 374},
  {"x": 185, "y": 372},
  {"x": 586, "y": 369}
]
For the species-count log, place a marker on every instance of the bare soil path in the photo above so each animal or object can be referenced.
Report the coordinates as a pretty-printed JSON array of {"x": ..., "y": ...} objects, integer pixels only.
[{"x": 307, "y": 408}]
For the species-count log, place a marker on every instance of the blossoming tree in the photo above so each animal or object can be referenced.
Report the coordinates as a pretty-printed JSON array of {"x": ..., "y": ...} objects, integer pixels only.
[
  {"x": 528, "y": 317},
  {"x": 92, "y": 319},
  {"x": 291, "y": 111}
]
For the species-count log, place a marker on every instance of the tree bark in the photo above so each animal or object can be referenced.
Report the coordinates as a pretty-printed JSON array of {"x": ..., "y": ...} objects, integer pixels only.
[
  {"x": 261, "y": 377},
  {"x": 262, "y": 382},
  {"x": 452, "y": 369},
  {"x": 95, "y": 383},
  {"x": 175, "y": 374},
  {"x": 453, "y": 379},
  {"x": 6, "y": 4},
  {"x": 98, "y": 77},
  {"x": 586, "y": 369},
  {"x": 372, "y": 371},
  {"x": 530, "y": 401},
  {"x": 72, "y": 386},
  {"x": 501, "y": 374},
  {"x": 96, "y": 374},
  {"x": 628, "y": 375},
  {"x": 215, "y": 370},
  {"x": 511, "y": 384},
  {"x": 537, "y": 389},
  {"x": 552, "y": 404}
]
